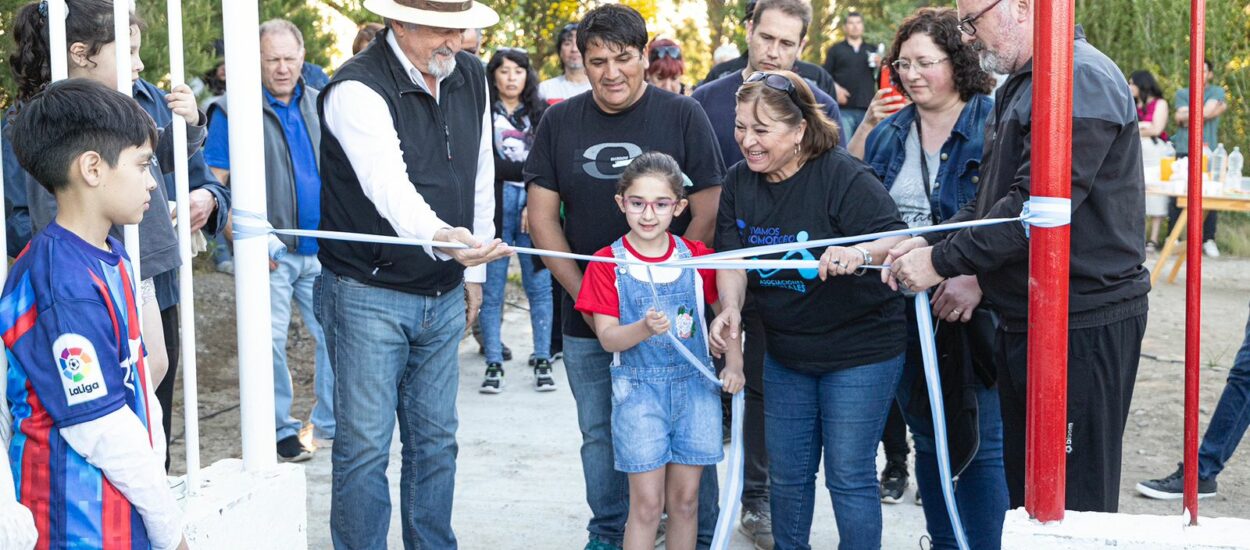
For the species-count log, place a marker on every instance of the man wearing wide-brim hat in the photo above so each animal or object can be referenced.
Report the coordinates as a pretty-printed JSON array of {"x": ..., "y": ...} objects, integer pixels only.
[{"x": 406, "y": 150}]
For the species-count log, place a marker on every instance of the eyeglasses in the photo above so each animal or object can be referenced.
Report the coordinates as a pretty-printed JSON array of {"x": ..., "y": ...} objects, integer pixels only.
[
  {"x": 661, "y": 207},
  {"x": 671, "y": 52},
  {"x": 923, "y": 65},
  {"x": 966, "y": 25},
  {"x": 776, "y": 82}
]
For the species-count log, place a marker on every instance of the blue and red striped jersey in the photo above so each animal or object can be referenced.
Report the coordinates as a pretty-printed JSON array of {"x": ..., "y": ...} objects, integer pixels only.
[{"x": 70, "y": 324}]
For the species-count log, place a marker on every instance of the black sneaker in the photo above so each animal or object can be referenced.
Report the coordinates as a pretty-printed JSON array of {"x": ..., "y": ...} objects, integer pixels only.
[
  {"x": 894, "y": 480},
  {"x": 543, "y": 381},
  {"x": 507, "y": 351},
  {"x": 1173, "y": 487},
  {"x": 291, "y": 450},
  {"x": 493, "y": 383}
]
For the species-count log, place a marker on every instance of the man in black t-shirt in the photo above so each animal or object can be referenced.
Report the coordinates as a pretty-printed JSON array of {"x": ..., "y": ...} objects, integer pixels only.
[
  {"x": 851, "y": 63},
  {"x": 580, "y": 150}
]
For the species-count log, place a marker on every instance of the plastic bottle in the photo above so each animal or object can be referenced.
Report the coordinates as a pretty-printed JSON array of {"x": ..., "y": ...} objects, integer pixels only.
[
  {"x": 1236, "y": 162},
  {"x": 1206, "y": 159},
  {"x": 1219, "y": 163}
]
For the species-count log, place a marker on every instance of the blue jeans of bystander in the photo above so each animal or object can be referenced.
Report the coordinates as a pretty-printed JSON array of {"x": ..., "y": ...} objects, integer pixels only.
[
  {"x": 293, "y": 279},
  {"x": 537, "y": 286}
]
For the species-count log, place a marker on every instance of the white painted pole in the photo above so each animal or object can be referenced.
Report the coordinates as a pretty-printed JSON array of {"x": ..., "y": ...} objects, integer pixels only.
[
  {"x": 186, "y": 310},
  {"x": 121, "y": 43},
  {"x": 251, "y": 255},
  {"x": 56, "y": 40}
]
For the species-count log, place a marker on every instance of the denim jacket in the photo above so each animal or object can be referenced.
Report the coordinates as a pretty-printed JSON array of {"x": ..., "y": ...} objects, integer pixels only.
[{"x": 960, "y": 171}]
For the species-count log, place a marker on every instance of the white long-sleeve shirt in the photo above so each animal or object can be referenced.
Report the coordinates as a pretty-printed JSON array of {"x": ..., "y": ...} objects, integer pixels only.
[
  {"x": 119, "y": 445},
  {"x": 359, "y": 118}
]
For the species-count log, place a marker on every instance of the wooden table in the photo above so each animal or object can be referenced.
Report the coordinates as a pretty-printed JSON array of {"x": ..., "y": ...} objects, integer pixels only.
[{"x": 1218, "y": 203}]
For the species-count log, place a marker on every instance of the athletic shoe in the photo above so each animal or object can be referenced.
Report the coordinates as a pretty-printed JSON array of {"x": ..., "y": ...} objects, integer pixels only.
[
  {"x": 557, "y": 355},
  {"x": 291, "y": 450},
  {"x": 493, "y": 383},
  {"x": 600, "y": 545},
  {"x": 1172, "y": 487},
  {"x": 918, "y": 501},
  {"x": 543, "y": 381},
  {"x": 894, "y": 481},
  {"x": 1152, "y": 247},
  {"x": 1210, "y": 249},
  {"x": 225, "y": 266},
  {"x": 507, "y": 351},
  {"x": 758, "y": 527}
]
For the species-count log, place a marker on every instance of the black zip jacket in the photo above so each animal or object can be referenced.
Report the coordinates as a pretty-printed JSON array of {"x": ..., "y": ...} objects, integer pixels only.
[{"x": 1108, "y": 282}]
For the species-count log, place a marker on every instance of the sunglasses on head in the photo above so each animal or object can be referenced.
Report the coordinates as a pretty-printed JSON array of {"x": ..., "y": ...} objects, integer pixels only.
[
  {"x": 777, "y": 82},
  {"x": 671, "y": 52}
]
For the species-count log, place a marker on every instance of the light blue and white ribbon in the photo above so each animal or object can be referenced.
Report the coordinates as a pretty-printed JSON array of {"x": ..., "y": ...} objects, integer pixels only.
[{"x": 1038, "y": 211}]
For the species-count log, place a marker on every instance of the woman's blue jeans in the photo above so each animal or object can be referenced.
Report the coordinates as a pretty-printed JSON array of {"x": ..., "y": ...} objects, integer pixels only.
[
  {"x": 981, "y": 489},
  {"x": 841, "y": 413},
  {"x": 537, "y": 286}
]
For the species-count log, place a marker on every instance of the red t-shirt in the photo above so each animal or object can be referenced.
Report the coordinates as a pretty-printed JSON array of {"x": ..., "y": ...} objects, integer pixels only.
[{"x": 598, "y": 294}]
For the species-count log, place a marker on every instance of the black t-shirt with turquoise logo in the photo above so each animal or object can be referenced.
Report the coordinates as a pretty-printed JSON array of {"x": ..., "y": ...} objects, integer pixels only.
[{"x": 815, "y": 326}]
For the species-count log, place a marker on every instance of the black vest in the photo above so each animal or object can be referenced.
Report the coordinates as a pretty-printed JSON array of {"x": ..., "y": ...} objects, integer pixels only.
[{"x": 440, "y": 143}]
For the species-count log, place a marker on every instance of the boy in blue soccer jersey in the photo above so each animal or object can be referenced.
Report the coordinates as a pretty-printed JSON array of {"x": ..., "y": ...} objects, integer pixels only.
[{"x": 87, "y": 449}]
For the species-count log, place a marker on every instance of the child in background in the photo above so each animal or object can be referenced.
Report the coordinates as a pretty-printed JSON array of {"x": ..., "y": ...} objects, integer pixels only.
[
  {"x": 88, "y": 448},
  {"x": 666, "y": 415}
]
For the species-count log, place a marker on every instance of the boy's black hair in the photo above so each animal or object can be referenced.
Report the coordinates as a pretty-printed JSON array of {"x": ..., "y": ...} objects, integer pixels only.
[
  {"x": 657, "y": 165},
  {"x": 613, "y": 25},
  {"x": 72, "y": 117}
]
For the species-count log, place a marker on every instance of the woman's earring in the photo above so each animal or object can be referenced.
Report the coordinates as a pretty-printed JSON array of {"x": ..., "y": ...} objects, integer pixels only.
[{"x": 796, "y": 149}]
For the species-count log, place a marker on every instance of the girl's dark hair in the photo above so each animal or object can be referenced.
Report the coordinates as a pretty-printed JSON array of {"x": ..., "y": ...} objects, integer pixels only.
[
  {"x": 534, "y": 105},
  {"x": 613, "y": 25},
  {"x": 71, "y": 117},
  {"x": 89, "y": 22},
  {"x": 822, "y": 133},
  {"x": 1147, "y": 87},
  {"x": 657, "y": 165},
  {"x": 942, "y": 26}
]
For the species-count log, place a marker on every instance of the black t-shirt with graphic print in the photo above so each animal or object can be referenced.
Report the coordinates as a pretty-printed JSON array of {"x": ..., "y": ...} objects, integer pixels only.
[
  {"x": 815, "y": 326},
  {"x": 580, "y": 152}
]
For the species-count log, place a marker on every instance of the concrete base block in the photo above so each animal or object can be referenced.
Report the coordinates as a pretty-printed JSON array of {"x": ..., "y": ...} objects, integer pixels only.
[
  {"x": 1090, "y": 530},
  {"x": 237, "y": 509}
]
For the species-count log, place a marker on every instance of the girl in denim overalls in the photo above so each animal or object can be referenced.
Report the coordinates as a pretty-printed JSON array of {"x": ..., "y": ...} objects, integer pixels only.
[{"x": 666, "y": 415}]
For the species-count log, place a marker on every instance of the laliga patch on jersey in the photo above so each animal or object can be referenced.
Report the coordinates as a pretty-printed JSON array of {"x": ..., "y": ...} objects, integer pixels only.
[{"x": 80, "y": 369}]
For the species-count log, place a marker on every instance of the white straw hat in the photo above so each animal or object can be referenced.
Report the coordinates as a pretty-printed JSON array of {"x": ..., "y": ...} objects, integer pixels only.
[{"x": 447, "y": 14}]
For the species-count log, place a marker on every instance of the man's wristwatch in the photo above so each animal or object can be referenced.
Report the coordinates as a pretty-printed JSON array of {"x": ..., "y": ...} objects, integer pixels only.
[{"x": 867, "y": 259}]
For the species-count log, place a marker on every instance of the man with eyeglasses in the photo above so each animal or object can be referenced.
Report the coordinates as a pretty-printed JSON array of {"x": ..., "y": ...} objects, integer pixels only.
[
  {"x": 776, "y": 34},
  {"x": 851, "y": 63},
  {"x": 573, "y": 81},
  {"x": 1107, "y": 298},
  {"x": 580, "y": 151}
]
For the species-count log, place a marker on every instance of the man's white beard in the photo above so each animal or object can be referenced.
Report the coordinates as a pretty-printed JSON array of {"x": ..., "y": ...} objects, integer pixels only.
[{"x": 442, "y": 67}]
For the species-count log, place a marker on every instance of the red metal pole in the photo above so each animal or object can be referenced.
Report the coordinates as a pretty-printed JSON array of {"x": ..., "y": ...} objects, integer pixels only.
[
  {"x": 1051, "y": 174},
  {"x": 1193, "y": 247}
]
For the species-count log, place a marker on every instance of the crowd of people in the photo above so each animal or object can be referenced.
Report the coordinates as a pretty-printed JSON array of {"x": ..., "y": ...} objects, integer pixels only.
[{"x": 427, "y": 133}]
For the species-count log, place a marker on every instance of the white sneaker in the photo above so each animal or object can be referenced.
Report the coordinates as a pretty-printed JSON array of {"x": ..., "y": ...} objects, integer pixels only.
[{"x": 1210, "y": 249}]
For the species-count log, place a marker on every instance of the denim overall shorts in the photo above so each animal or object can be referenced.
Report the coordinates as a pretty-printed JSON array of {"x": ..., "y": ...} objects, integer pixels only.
[{"x": 663, "y": 409}]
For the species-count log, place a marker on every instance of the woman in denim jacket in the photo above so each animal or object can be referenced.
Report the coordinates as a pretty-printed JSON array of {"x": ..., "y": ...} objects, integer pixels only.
[{"x": 928, "y": 155}]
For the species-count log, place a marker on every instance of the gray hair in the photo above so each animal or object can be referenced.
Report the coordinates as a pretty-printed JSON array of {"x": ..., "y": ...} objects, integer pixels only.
[{"x": 281, "y": 25}]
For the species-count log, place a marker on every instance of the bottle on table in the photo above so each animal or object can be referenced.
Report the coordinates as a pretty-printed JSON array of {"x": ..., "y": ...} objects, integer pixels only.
[{"x": 1233, "y": 181}]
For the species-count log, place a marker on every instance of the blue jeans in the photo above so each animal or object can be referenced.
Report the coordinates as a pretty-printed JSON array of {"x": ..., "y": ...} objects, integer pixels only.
[
  {"x": 395, "y": 354},
  {"x": 294, "y": 278},
  {"x": 981, "y": 490},
  {"x": 537, "y": 286},
  {"x": 607, "y": 490},
  {"x": 1232, "y": 416},
  {"x": 843, "y": 414},
  {"x": 851, "y": 119}
]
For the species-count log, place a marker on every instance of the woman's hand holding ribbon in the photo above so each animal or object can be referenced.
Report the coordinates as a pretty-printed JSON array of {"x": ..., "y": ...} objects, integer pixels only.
[{"x": 725, "y": 328}]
